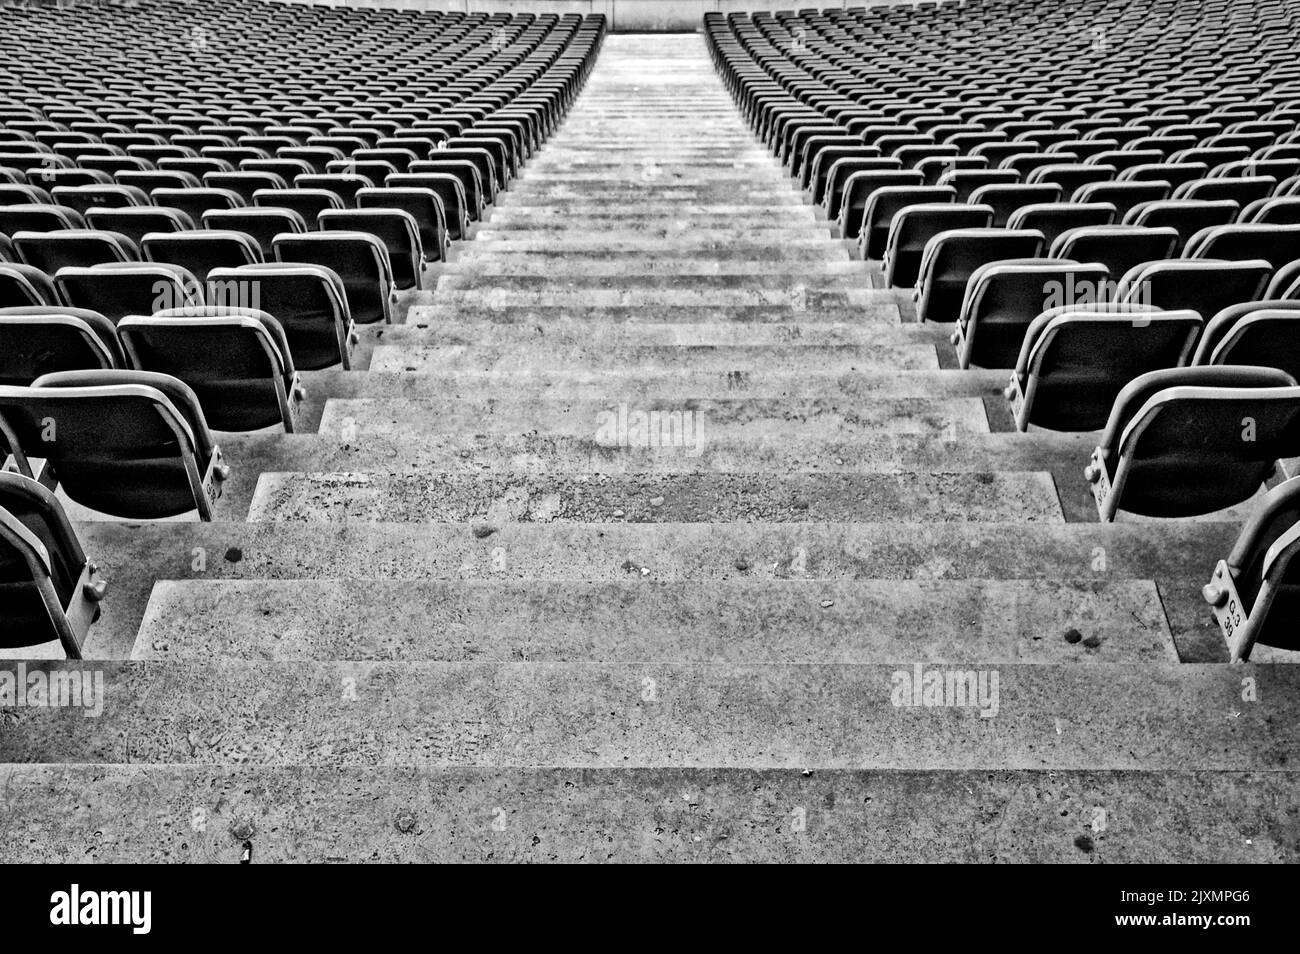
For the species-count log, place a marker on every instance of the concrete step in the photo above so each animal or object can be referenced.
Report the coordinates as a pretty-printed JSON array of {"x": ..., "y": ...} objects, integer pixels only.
[
  {"x": 1179, "y": 556},
  {"x": 437, "y": 327},
  {"x": 1028, "y": 497},
  {"x": 874, "y": 621},
  {"x": 722, "y": 231},
  {"x": 647, "y": 194},
  {"x": 585, "y": 206},
  {"x": 855, "y": 390},
  {"x": 784, "y": 292},
  {"x": 658, "y": 715},
  {"x": 873, "y": 308},
  {"x": 820, "y": 266},
  {"x": 729, "y": 420},
  {"x": 70, "y": 814},
  {"x": 791, "y": 282},
  {"x": 842, "y": 359},
  {"x": 572, "y": 247}
]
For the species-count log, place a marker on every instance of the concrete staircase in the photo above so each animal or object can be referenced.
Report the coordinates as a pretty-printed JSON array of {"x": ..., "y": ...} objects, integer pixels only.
[{"x": 480, "y": 616}]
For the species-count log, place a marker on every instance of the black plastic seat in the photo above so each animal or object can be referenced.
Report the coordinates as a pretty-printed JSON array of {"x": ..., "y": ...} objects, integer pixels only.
[
  {"x": 237, "y": 362},
  {"x": 199, "y": 251},
  {"x": 116, "y": 290},
  {"x": 1203, "y": 285},
  {"x": 950, "y": 259},
  {"x": 358, "y": 258},
  {"x": 40, "y": 339},
  {"x": 129, "y": 444},
  {"x": 1261, "y": 333},
  {"x": 309, "y": 302},
  {"x": 1186, "y": 442},
  {"x": 1255, "y": 591},
  {"x": 912, "y": 228},
  {"x": 1003, "y": 298},
  {"x": 49, "y": 590},
  {"x": 1074, "y": 361}
]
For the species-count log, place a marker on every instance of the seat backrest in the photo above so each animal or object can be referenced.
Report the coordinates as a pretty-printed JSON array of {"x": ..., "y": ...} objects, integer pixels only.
[
  {"x": 127, "y": 443},
  {"x": 1263, "y": 333},
  {"x": 1074, "y": 362},
  {"x": 1191, "y": 441},
  {"x": 116, "y": 290},
  {"x": 1006, "y": 199},
  {"x": 237, "y": 361},
  {"x": 1002, "y": 298},
  {"x": 41, "y": 568},
  {"x": 1203, "y": 285},
  {"x": 309, "y": 301},
  {"x": 41, "y": 339},
  {"x": 423, "y": 205},
  {"x": 136, "y": 222},
  {"x": 201, "y": 250},
  {"x": 1276, "y": 244},
  {"x": 50, "y": 251},
  {"x": 398, "y": 231},
  {"x": 38, "y": 218},
  {"x": 358, "y": 258},
  {"x": 1188, "y": 216},
  {"x": 25, "y": 285}
]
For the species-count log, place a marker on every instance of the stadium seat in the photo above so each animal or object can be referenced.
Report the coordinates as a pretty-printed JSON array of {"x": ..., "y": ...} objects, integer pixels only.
[
  {"x": 1002, "y": 299},
  {"x": 1187, "y": 216},
  {"x": 49, "y": 590},
  {"x": 358, "y": 258},
  {"x": 1006, "y": 199},
  {"x": 1205, "y": 286},
  {"x": 116, "y": 290},
  {"x": 1255, "y": 592},
  {"x": 450, "y": 193},
  {"x": 1185, "y": 442},
  {"x": 261, "y": 224},
  {"x": 199, "y": 251},
  {"x": 40, "y": 339},
  {"x": 1074, "y": 361},
  {"x": 308, "y": 203},
  {"x": 951, "y": 257},
  {"x": 1275, "y": 244},
  {"x": 912, "y": 228},
  {"x": 237, "y": 362},
  {"x": 1118, "y": 247},
  {"x": 24, "y": 285},
  {"x": 423, "y": 205},
  {"x": 50, "y": 251},
  {"x": 1054, "y": 218},
  {"x": 309, "y": 302},
  {"x": 38, "y": 218},
  {"x": 127, "y": 443},
  {"x": 861, "y": 184},
  {"x": 135, "y": 223},
  {"x": 1261, "y": 333},
  {"x": 397, "y": 230}
]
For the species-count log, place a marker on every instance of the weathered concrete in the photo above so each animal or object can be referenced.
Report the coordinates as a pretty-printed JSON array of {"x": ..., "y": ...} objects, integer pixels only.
[
  {"x": 202, "y": 813},
  {"x": 634, "y": 715},
  {"x": 455, "y": 608},
  {"x": 992, "y": 621},
  {"x": 675, "y": 498}
]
